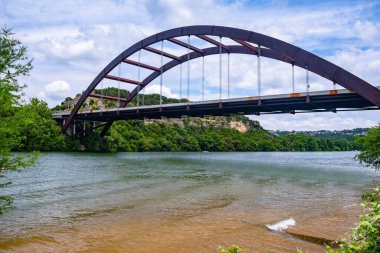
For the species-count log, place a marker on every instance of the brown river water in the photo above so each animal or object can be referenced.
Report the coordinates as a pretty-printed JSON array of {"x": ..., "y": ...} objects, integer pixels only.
[{"x": 183, "y": 202}]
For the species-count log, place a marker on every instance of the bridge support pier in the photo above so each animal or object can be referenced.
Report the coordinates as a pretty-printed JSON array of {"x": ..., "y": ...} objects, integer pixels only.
[{"x": 70, "y": 131}]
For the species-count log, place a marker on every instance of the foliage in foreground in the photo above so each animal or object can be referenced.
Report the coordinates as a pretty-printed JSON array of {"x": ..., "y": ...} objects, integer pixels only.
[
  {"x": 365, "y": 238},
  {"x": 233, "y": 249},
  {"x": 14, "y": 63}
]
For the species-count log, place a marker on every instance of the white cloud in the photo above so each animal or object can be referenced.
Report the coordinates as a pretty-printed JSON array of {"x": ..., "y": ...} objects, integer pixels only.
[
  {"x": 364, "y": 63},
  {"x": 55, "y": 91},
  {"x": 367, "y": 31},
  {"x": 155, "y": 89},
  {"x": 36, "y": 35},
  {"x": 71, "y": 50},
  {"x": 57, "y": 86}
]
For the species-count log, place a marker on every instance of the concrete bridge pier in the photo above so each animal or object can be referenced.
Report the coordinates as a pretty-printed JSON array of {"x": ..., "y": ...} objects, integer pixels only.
[
  {"x": 70, "y": 131},
  {"x": 77, "y": 128}
]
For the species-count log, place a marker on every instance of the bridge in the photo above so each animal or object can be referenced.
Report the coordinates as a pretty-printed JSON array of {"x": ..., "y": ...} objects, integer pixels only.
[{"x": 356, "y": 94}]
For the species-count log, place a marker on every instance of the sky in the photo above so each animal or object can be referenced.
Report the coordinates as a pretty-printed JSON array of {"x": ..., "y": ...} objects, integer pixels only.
[{"x": 72, "y": 41}]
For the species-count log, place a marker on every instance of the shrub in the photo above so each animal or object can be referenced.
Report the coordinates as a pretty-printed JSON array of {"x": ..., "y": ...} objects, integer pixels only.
[
  {"x": 233, "y": 249},
  {"x": 365, "y": 238}
]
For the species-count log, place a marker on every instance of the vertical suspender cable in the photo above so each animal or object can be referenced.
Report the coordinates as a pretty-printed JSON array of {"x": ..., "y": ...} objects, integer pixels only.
[
  {"x": 203, "y": 78},
  {"x": 143, "y": 91},
  {"x": 105, "y": 90},
  {"x": 307, "y": 80},
  {"x": 118, "y": 86},
  {"x": 220, "y": 67},
  {"x": 162, "y": 68},
  {"x": 188, "y": 68},
  {"x": 307, "y": 84},
  {"x": 101, "y": 94},
  {"x": 143, "y": 98},
  {"x": 293, "y": 78},
  {"x": 259, "y": 71},
  {"x": 138, "y": 79},
  {"x": 180, "y": 81},
  {"x": 228, "y": 75},
  {"x": 334, "y": 84}
]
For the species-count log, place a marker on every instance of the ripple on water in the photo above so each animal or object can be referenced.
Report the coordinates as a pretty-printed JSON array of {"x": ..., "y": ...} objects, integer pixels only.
[
  {"x": 178, "y": 200},
  {"x": 198, "y": 207}
]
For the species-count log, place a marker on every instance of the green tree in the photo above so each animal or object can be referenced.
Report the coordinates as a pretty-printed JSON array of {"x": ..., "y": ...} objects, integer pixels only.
[
  {"x": 14, "y": 63},
  {"x": 36, "y": 129},
  {"x": 365, "y": 238},
  {"x": 370, "y": 154}
]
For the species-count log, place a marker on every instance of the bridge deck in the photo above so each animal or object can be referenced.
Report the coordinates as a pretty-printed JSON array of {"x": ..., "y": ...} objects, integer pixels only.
[{"x": 319, "y": 101}]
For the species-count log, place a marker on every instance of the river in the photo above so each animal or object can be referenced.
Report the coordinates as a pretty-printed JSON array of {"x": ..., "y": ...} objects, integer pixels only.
[{"x": 182, "y": 202}]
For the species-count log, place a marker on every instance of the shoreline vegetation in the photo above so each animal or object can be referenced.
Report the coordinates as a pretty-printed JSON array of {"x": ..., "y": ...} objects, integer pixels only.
[
  {"x": 213, "y": 134},
  {"x": 230, "y": 133},
  {"x": 37, "y": 131},
  {"x": 195, "y": 135}
]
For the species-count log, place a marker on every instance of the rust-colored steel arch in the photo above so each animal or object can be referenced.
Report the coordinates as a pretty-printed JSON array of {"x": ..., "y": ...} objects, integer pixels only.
[
  {"x": 206, "y": 52},
  {"x": 271, "y": 48}
]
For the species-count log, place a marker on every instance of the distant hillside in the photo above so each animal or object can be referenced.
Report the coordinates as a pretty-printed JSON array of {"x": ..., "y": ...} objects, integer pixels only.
[
  {"x": 104, "y": 104},
  {"x": 240, "y": 123},
  {"x": 346, "y": 134}
]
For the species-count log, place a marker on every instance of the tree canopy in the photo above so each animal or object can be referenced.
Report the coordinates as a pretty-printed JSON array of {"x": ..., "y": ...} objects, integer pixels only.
[{"x": 370, "y": 154}]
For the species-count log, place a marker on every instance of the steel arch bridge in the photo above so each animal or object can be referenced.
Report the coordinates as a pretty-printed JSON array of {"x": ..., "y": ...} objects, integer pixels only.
[{"x": 359, "y": 94}]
